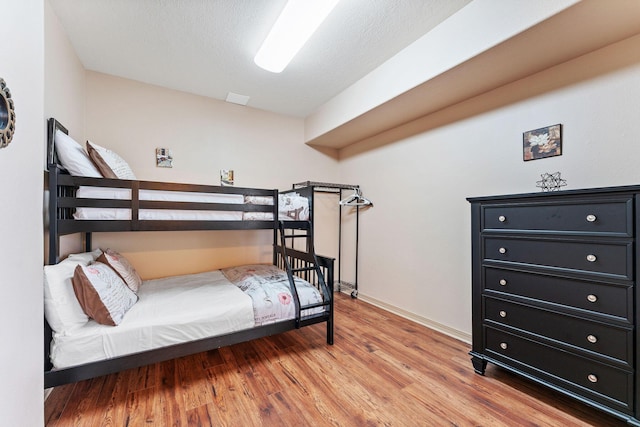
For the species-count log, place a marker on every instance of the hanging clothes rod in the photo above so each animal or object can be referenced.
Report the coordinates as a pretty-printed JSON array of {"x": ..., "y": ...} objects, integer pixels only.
[
  {"x": 326, "y": 186},
  {"x": 358, "y": 201}
]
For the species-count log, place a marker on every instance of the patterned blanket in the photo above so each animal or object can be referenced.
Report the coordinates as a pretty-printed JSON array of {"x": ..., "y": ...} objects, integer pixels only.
[{"x": 268, "y": 287}]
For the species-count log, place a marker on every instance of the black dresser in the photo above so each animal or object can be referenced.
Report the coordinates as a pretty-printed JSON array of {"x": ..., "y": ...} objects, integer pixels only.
[{"x": 554, "y": 292}]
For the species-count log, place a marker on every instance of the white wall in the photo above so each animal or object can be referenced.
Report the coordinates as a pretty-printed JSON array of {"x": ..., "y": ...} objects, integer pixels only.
[
  {"x": 265, "y": 150},
  {"x": 415, "y": 242},
  {"x": 64, "y": 78},
  {"x": 21, "y": 313},
  {"x": 64, "y": 94}
]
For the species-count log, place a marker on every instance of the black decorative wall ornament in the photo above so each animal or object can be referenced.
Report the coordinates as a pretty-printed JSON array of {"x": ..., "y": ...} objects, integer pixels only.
[
  {"x": 551, "y": 182},
  {"x": 7, "y": 115}
]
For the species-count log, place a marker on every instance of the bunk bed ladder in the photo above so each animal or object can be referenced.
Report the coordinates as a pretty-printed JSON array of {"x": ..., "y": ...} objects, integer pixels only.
[
  {"x": 306, "y": 236},
  {"x": 307, "y": 270},
  {"x": 287, "y": 264}
]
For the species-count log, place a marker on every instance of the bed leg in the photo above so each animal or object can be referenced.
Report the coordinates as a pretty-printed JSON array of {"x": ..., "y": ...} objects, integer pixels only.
[{"x": 330, "y": 330}]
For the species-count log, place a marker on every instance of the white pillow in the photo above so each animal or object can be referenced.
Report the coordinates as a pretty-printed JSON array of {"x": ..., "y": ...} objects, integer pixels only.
[
  {"x": 109, "y": 163},
  {"x": 73, "y": 157},
  {"x": 61, "y": 307},
  {"x": 86, "y": 257}
]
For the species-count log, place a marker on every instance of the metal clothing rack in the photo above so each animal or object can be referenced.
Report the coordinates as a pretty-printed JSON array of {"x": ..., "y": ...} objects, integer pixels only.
[{"x": 327, "y": 187}]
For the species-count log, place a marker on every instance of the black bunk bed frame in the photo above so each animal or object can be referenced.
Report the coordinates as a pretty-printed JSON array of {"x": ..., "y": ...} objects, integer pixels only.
[{"x": 316, "y": 269}]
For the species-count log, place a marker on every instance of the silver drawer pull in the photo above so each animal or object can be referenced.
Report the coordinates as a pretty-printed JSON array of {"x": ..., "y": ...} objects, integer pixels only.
[
  {"x": 502, "y": 250},
  {"x": 503, "y": 345},
  {"x": 592, "y": 339},
  {"x": 592, "y": 298},
  {"x": 503, "y": 282},
  {"x": 591, "y": 258},
  {"x": 593, "y": 378},
  {"x": 502, "y": 218},
  {"x": 503, "y": 313},
  {"x": 591, "y": 218}
]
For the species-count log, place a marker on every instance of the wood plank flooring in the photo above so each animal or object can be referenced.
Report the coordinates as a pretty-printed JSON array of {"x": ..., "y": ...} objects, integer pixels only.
[{"x": 383, "y": 370}]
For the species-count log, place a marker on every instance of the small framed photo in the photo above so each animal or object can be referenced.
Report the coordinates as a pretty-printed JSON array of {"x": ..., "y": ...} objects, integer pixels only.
[
  {"x": 226, "y": 177},
  {"x": 164, "y": 158},
  {"x": 543, "y": 142}
]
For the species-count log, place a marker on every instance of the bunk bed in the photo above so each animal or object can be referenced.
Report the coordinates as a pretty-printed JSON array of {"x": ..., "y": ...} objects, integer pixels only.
[{"x": 77, "y": 205}]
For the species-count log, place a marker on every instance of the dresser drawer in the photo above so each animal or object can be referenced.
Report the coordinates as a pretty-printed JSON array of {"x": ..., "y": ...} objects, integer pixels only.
[
  {"x": 605, "y": 257},
  {"x": 610, "y": 216},
  {"x": 599, "y": 381},
  {"x": 610, "y": 341},
  {"x": 608, "y": 299}
]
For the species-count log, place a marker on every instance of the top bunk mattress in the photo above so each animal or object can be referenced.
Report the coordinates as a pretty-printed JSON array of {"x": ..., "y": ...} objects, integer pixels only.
[
  {"x": 291, "y": 206},
  {"x": 157, "y": 214}
]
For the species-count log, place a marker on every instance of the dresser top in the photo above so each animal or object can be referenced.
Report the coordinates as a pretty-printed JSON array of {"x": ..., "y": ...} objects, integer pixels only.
[{"x": 578, "y": 192}]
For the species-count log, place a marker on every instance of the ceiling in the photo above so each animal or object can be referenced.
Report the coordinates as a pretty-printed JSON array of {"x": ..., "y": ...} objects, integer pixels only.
[{"x": 206, "y": 47}]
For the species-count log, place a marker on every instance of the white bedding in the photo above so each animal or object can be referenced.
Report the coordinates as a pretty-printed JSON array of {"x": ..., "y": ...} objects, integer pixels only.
[
  {"x": 169, "y": 311},
  {"x": 291, "y": 206},
  {"x": 157, "y": 214},
  {"x": 179, "y": 309}
]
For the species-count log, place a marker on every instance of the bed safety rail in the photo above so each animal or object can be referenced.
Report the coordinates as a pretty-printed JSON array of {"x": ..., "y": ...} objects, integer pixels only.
[
  {"x": 63, "y": 203},
  {"x": 63, "y": 189}
]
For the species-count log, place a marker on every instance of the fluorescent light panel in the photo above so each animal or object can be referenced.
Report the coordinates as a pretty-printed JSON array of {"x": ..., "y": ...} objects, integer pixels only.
[{"x": 295, "y": 25}]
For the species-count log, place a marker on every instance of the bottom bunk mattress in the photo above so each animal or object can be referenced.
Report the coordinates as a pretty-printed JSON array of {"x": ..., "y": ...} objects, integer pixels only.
[{"x": 179, "y": 309}]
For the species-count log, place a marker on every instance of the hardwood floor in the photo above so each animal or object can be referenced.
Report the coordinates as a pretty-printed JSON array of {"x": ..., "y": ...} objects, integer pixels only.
[{"x": 383, "y": 370}]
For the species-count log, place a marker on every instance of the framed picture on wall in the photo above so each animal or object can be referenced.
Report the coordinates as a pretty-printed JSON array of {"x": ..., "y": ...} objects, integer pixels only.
[
  {"x": 164, "y": 158},
  {"x": 541, "y": 143},
  {"x": 226, "y": 177}
]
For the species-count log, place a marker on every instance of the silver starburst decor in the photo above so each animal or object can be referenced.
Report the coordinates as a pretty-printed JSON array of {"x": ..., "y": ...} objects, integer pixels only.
[{"x": 551, "y": 182}]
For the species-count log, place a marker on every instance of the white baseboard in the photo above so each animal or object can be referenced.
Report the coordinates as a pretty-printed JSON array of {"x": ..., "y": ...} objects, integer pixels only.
[{"x": 454, "y": 333}]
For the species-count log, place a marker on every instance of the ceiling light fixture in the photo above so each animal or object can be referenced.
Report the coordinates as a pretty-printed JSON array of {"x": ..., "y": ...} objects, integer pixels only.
[
  {"x": 295, "y": 25},
  {"x": 236, "y": 98}
]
